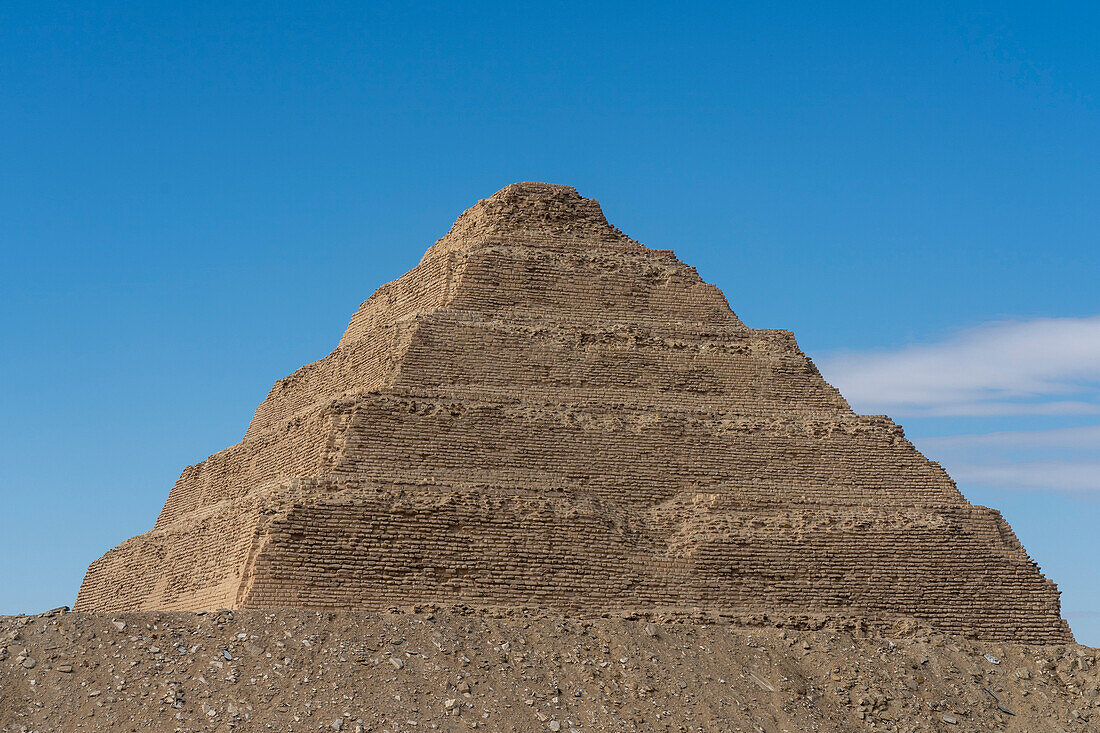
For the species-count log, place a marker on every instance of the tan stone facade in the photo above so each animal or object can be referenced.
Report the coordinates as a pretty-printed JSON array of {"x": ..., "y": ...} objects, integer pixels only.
[{"x": 546, "y": 413}]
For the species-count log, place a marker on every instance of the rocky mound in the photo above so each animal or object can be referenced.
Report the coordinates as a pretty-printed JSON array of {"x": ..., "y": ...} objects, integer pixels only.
[{"x": 523, "y": 671}]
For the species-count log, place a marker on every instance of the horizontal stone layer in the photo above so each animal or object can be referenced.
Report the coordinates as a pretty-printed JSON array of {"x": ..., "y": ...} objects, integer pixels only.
[
  {"x": 643, "y": 459},
  {"x": 547, "y": 280},
  {"x": 719, "y": 367},
  {"x": 960, "y": 568},
  {"x": 642, "y": 453}
]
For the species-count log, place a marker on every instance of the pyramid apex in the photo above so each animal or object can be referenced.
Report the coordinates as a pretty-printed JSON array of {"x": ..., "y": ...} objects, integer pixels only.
[
  {"x": 535, "y": 189},
  {"x": 533, "y": 210}
]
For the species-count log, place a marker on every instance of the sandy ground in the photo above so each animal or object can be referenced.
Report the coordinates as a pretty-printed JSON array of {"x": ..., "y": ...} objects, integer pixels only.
[{"x": 294, "y": 670}]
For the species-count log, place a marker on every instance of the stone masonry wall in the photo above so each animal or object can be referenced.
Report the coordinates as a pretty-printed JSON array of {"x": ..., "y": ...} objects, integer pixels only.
[{"x": 574, "y": 552}]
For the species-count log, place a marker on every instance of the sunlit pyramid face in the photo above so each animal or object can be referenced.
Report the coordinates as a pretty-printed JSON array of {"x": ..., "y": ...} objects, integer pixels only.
[{"x": 546, "y": 413}]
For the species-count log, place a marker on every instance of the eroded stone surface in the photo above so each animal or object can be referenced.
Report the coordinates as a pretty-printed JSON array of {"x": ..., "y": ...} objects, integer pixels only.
[{"x": 546, "y": 412}]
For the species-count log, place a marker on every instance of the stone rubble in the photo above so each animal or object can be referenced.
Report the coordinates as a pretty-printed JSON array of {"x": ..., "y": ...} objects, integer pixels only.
[{"x": 604, "y": 672}]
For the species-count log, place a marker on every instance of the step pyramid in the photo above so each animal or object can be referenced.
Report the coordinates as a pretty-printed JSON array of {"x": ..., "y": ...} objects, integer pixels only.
[{"x": 546, "y": 413}]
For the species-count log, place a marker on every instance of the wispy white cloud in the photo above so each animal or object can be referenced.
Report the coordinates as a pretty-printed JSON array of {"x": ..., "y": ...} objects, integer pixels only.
[
  {"x": 1063, "y": 459},
  {"x": 1041, "y": 367},
  {"x": 1045, "y": 475},
  {"x": 1085, "y": 438},
  {"x": 1045, "y": 366}
]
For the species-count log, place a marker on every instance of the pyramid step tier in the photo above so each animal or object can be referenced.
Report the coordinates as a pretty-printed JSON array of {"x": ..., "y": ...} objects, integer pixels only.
[
  {"x": 689, "y": 363},
  {"x": 640, "y": 454},
  {"x": 556, "y": 282},
  {"x": 377, "y": 546}
]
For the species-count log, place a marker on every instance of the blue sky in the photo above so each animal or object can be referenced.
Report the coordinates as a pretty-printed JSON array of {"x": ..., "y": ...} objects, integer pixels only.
[{"x": 196, "y": 196}]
